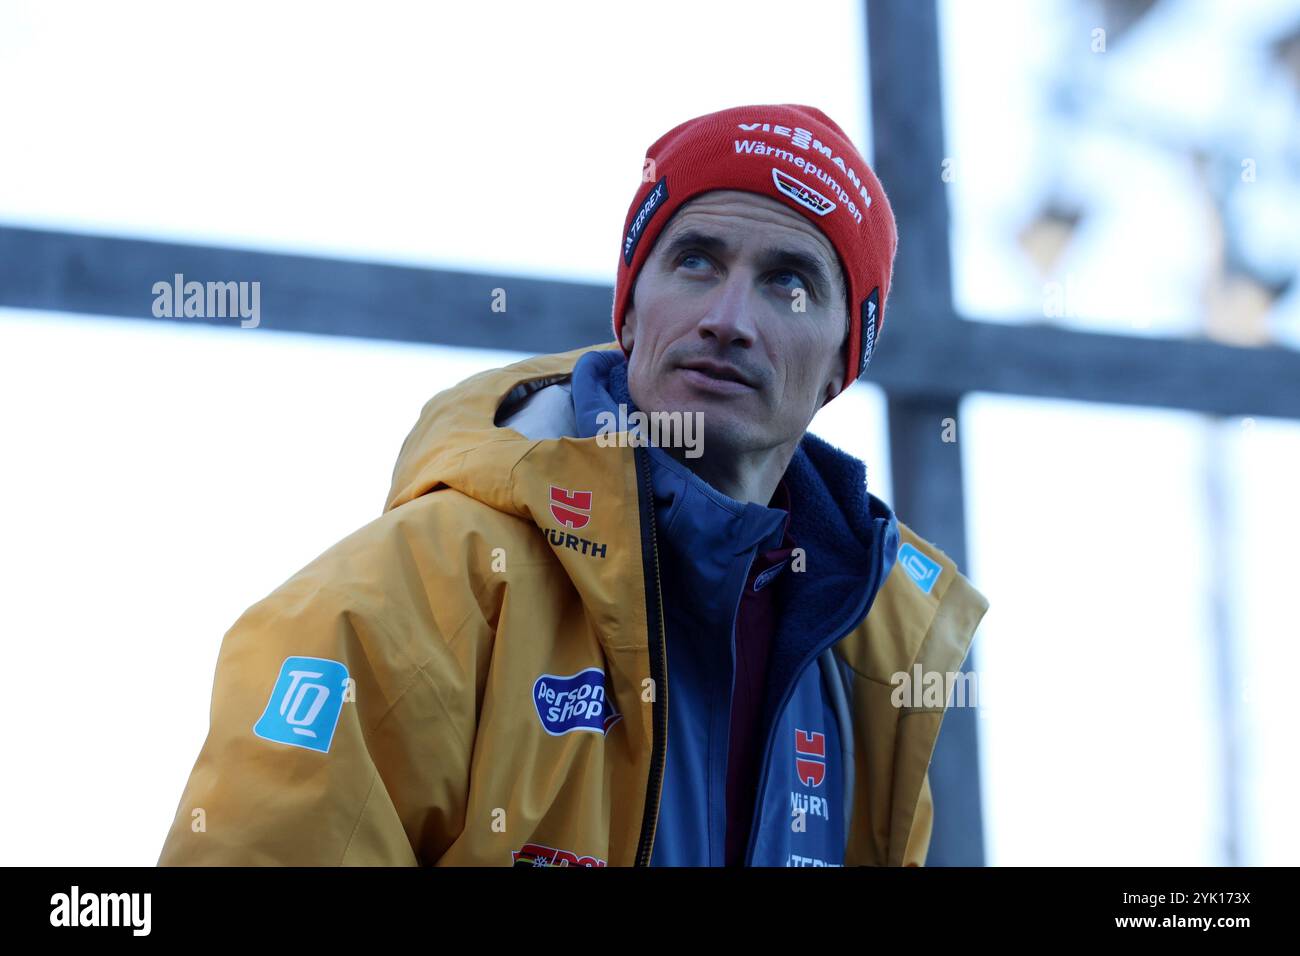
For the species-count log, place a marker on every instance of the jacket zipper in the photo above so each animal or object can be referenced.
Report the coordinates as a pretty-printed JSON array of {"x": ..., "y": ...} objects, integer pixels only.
[
  {"x": 757, "y": 817},
  {"x": 658, "y": 663}
]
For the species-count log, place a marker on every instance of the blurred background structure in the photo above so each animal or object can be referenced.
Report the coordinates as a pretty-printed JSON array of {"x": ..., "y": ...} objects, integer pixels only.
[{"x": 1098, "y": 205}]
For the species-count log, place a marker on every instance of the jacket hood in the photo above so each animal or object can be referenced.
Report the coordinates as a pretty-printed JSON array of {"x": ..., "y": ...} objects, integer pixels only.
[
  {"x": 458, "y": 443},
  {"x": 536, "y": 469}
]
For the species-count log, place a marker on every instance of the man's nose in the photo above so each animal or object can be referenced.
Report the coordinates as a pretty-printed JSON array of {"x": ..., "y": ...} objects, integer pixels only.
[{"x": 731, "y": 313}]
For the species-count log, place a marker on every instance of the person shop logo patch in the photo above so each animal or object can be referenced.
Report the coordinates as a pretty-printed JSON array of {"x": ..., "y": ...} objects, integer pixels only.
[{"x": 574, "y": 703}]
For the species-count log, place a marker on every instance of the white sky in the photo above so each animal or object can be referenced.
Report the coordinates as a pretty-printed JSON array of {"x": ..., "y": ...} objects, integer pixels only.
[
  {"x": 497, "y": 136},
  {"x": 160, "y": 478}
]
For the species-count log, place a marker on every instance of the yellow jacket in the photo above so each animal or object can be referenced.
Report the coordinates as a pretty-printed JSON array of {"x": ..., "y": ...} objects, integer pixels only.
[{"x": 376, "y": 708}]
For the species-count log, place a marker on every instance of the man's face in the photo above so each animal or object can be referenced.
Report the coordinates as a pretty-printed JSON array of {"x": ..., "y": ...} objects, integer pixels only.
[{"x": 717, "y": 301}]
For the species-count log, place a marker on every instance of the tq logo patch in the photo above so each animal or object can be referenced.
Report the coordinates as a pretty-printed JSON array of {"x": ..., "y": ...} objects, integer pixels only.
[
  {"x": 305, "y": 703},
  {"x": 921, "y": 568}
]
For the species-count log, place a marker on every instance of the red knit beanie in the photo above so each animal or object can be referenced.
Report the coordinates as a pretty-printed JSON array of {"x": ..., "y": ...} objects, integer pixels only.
[{"x": 795, "y": 154}]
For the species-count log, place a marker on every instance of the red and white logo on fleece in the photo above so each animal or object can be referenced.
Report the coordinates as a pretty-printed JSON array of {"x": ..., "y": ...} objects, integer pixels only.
[
  {"x": 571, "y": 508},
  {"x": 810, "y": 757}
]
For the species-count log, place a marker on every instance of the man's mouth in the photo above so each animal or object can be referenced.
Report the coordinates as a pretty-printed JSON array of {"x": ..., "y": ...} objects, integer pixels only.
[{"x": 716, "y": 375}]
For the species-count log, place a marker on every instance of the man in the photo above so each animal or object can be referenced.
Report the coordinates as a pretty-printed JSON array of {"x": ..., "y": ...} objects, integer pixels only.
[{"x": 562, "y": 645}]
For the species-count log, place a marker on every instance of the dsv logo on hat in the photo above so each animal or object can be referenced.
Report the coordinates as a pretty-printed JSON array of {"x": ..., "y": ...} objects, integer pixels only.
[
  {"x": 576, "y": 702},
  {"x": 803, "y": 195}
]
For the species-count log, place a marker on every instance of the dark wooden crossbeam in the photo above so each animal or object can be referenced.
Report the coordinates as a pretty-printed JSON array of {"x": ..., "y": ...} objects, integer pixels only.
[{"x": 114, "y": 277}]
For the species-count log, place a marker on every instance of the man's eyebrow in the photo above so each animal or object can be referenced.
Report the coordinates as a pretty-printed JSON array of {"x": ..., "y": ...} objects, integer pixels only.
[
  {"x": 770, "y": 258},
  {"x": 694, "y": 239}
]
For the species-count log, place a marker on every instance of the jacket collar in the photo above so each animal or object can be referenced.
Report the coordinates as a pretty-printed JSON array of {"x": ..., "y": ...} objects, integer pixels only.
[
  {"x": 848, "y": 536},
  {"x": 704, "y": 530}
]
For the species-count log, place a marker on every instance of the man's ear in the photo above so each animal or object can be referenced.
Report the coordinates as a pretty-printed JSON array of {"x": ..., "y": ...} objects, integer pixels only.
[
  {"x": 836, "y": 382},
  {"x": 833, "y": 388},
  {"x": 628, "y": 332}
]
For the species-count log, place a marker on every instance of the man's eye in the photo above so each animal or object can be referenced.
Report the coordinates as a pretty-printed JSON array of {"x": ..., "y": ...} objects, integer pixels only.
[
  {"x": 796, "y": 275},
  {"x": 690, "y": 255}
]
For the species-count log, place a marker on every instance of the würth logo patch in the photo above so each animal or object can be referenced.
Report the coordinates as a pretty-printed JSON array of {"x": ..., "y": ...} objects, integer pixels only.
[
  {"x": 810, "y": 757},
  {"x": 571, "y": 508}
]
